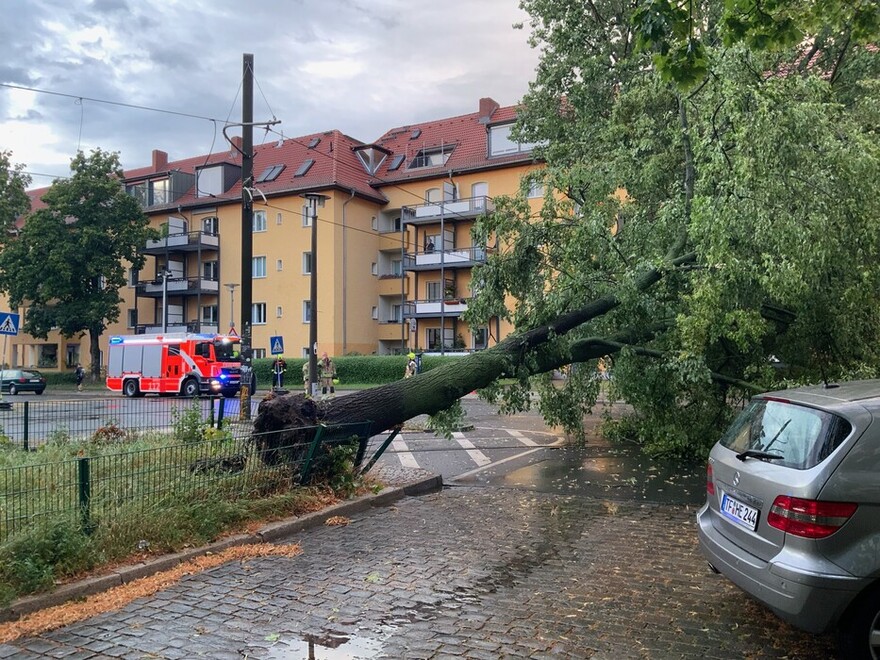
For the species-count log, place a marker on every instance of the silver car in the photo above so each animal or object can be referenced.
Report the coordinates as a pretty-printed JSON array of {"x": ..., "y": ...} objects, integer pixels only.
[{"x": 792, "y": 514}]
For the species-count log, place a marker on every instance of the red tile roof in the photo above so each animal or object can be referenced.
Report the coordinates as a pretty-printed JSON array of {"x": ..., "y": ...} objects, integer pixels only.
[{"x": 336, "y": 165}]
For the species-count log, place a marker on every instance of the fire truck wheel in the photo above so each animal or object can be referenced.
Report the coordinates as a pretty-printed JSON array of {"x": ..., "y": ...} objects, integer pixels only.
[
  {"x": 190, "y": 387},
  {"x": 130, "y": 389}
]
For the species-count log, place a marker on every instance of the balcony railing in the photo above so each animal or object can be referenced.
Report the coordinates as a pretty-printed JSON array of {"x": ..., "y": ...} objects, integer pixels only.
[
  {"x": 178, "y": 286},
  {"x": 454, "y": 258},
  {"x": 459, "y": 209},
  {"x": 183, "y": 242},
  {"x": 431, "y": 308}
]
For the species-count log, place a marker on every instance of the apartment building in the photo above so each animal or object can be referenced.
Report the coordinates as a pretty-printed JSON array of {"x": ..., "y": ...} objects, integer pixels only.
[{"x": 394, "y": 253}]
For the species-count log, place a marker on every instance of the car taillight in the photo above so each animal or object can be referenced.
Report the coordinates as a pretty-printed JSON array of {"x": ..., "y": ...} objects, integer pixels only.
[
  {"x": 22, "y": 380},
  {"x": 809, "y": 518},
  {"x": 710, "y": 481}
]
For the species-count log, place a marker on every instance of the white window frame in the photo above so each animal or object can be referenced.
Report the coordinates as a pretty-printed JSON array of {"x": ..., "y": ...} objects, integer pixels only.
[
  {"x": 307, "y": 263},
  {"x": 258, "y": 267},
  {"x": 279, "y": 312},
  {"x": 307, "y": 216},
  {"x": 536, "y": 190},
  {"x": 258, "y": 313},
  {"x": 131, "y": 318},
  {"x": 213, "y": 314},
  {"x": 259, "y": 221},
  {"x": 307, "y": 311},
  {"x": 279, "y": 265}
]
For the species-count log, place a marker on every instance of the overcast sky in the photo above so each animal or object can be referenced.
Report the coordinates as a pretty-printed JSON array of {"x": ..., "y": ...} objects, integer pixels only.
[{"x": 360, "y": 66}]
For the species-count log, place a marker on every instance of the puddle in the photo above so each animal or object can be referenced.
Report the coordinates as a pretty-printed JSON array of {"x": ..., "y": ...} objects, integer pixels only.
[{"x": 328, "y": 647}]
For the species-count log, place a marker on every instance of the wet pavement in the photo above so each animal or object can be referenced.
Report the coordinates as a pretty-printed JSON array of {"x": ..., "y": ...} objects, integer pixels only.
[{"x": 580, "y": 553}]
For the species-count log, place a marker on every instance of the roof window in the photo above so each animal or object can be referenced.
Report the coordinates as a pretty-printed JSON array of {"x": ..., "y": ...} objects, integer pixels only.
[
  {"x": 433, "y": 157},
  {"x": 396, "y": 162},
  {"x": 313, "y": 142},
  {"x": 304, "y": 167},
  {"x": 270, "y": 173}
]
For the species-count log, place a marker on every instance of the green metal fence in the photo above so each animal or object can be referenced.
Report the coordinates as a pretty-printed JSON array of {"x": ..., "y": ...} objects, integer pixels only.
[{"x": 106, "y": 487}]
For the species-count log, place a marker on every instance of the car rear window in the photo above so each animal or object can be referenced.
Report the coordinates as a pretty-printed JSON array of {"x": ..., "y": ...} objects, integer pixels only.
[{"x": 804, "y": 437}]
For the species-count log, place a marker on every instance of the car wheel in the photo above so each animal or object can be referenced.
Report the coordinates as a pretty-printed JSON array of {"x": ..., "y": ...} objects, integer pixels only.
[
  {"x": 130, "y": 389},
  {"x": 859, "y": 629},
  {"x": 40, "y": 391},
  {"x": 190, "y": 387},
  {"x": 13, "y": 390}
]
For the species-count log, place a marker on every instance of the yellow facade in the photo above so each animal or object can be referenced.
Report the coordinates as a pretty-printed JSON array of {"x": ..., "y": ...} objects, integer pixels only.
[{"x": 381, "y": 288}]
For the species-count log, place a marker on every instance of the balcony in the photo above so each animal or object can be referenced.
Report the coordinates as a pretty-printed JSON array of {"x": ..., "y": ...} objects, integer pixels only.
[
  {"x": 178, "y": 286},
  {"x": 183, "y": 242},
  {"x": 434, "y": 308},
  {"x": 393, "y": 285},
  {"x": 455, "y": 258},
  {"x": 460, "y": 209},
  {"x": 391, "y": 331}
]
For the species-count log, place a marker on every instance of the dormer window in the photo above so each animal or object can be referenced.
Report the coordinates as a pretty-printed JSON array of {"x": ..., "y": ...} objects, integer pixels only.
[
  {"x": 371, "y": 158},
  {"x": 216, "y": 179},
  {"x": 500, "y": 143},
  {"x": 432, "y": 157}
]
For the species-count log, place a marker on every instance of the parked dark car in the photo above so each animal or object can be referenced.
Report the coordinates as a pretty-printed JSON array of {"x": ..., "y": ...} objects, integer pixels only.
[
  {"x": 13, "y": 381},
  {"x": 792, "y": 514}
]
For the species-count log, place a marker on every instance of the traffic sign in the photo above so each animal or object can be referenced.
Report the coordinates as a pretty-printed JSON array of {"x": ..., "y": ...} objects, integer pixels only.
[
  {"x": 8, "y": 323},
  {"x": 276, "y": 345}
]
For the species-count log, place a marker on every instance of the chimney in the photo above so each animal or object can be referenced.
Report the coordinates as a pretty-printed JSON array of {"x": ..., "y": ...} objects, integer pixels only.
[
  {"x": 160, "y": 160},
  {"x": 488, "y": 107},
  {"x": 236, "y": 144}
]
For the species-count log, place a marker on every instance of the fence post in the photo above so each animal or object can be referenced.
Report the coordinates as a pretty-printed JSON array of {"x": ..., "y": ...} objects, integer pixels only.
[
  {"x": 85, "y": 493},
  {"x": 313, "y": 449},
  {"x": 221, "y": 410},
  {"x": 211, "y": 418},
  {"x": 26, "y": 426}
]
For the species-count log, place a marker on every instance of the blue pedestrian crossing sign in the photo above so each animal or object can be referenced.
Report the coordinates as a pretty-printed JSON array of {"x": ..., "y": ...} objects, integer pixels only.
[
  {"x": 276, "y": 345},
  {"x": 8, "y": 323}
]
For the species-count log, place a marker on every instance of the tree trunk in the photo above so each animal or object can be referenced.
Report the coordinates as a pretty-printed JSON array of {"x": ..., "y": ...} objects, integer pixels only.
[
  {"x": 390, "y": 405},
  {"x": 95, "y": 352}
]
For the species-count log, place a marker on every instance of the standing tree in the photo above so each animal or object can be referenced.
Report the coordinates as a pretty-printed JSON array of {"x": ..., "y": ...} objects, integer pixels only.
[
  {"x": 13, "y": 196},
  {"x": 702, "y": 227},
  {"x": 66, "y": 265}
]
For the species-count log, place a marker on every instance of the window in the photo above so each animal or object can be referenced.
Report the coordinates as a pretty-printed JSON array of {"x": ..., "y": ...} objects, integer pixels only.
[
  {"x": 258, "y": 314},
  {"x": 374, "y": 268},
  {"x": 479, "y": 193},
  {"x": 396, "y": 314},
  {"x": 396, "y": 162},
  {"x": 432, "y": 195},
  {"x": 434, "y": 157},
  {"x": 433, "y": 290},
  {"x": 133, "y": 275},
  {"x": 210, "y": 314},
  {"x": 481, "y": 337},
  {"x": 307, "y": 263},
  {"x": 374, "y": 313},
  {"x": 536, "y": 189},
  {"x": 132, "y": 318},
  {"x": 501, "y": 144},
  {"x": 305, "y": 167},
  {"x": 279, "y": 312},
  {"x": 259, "y": 267},
  {"x": 210, "y": 270},
  {"x": 259, "y": 221},
  {"x": 159, "y": 192},
  {"x": 433, "y": 338},
  {"x": 279, "y": 218},
  {"x": 209, "y": 181},
  {"x": 211, "y": 226},
  {"x": 307, "y": 216},
  {"x": 307, "y": 311},
  {"x": 279, "y": 265},
  {"x": 259, "y": 353},
  {"x": 396, "y": 267},
  {"x": 269, "y": 174},
  {"x": 374, "y": 223},
  {"x": 139, "y": 192}
]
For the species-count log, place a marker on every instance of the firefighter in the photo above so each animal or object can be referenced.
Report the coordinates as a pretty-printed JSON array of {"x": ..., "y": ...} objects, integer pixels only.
[
  {"x": 327, "y": 371},
  {"x": 279, "y": 366},
  {"x": 306, "y": 377},
  {"x": 412, "y": 367}
]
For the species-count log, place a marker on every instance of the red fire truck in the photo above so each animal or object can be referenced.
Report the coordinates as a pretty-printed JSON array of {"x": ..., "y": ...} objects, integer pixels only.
[{"x": 174, "y": 363}]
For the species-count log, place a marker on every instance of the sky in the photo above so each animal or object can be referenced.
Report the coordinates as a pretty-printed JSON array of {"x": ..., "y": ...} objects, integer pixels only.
[{"x": 359, "y": 66}]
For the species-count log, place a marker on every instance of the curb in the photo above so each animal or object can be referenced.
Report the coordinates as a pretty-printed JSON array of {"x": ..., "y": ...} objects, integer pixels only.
[{"x": 270, "y": 533}]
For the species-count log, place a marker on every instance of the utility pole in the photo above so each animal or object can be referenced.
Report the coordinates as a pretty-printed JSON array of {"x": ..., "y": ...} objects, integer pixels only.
[
  {"x": 247, "y": 220},
  {"x": 314, "y": 201}
]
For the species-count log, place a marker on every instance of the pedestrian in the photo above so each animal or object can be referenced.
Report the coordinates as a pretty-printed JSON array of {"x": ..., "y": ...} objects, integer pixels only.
[
  {"x": 327, "y": 370},
  {"x": 80, "y": 375},
  {"x": 412, "y": 367},
  {"x": 279, "y": 366},
  {"x": 306, "y": 378},
  {"x": 429, "y": 246}
]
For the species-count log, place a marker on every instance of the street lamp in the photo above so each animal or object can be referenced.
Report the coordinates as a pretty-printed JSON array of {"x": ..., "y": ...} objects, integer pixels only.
[
  {"x": 315, "y": 200},
  {"x": 231, "y": 288}
]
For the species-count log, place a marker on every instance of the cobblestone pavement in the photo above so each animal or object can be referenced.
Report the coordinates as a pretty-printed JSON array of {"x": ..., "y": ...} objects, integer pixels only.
[{"x": 464, "y": 573}]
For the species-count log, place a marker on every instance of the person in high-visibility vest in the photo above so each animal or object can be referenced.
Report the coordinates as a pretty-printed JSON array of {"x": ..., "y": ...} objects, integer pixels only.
[
  {"x": 327, "y": 370},
  {"x": 279, "y": 366}
]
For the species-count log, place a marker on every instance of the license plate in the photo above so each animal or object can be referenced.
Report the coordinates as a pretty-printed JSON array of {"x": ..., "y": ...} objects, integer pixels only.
[
  {"x": 740, "y": 513},
  {"x": 35, "y": 380}
]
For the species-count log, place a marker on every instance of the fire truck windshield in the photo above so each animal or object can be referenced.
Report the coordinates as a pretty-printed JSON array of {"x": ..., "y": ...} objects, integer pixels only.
[{"x": 226, "y": 351}]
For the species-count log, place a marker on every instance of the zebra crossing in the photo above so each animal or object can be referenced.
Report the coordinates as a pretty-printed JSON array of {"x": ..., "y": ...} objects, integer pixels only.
[{"x": 466, "y": 452}]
